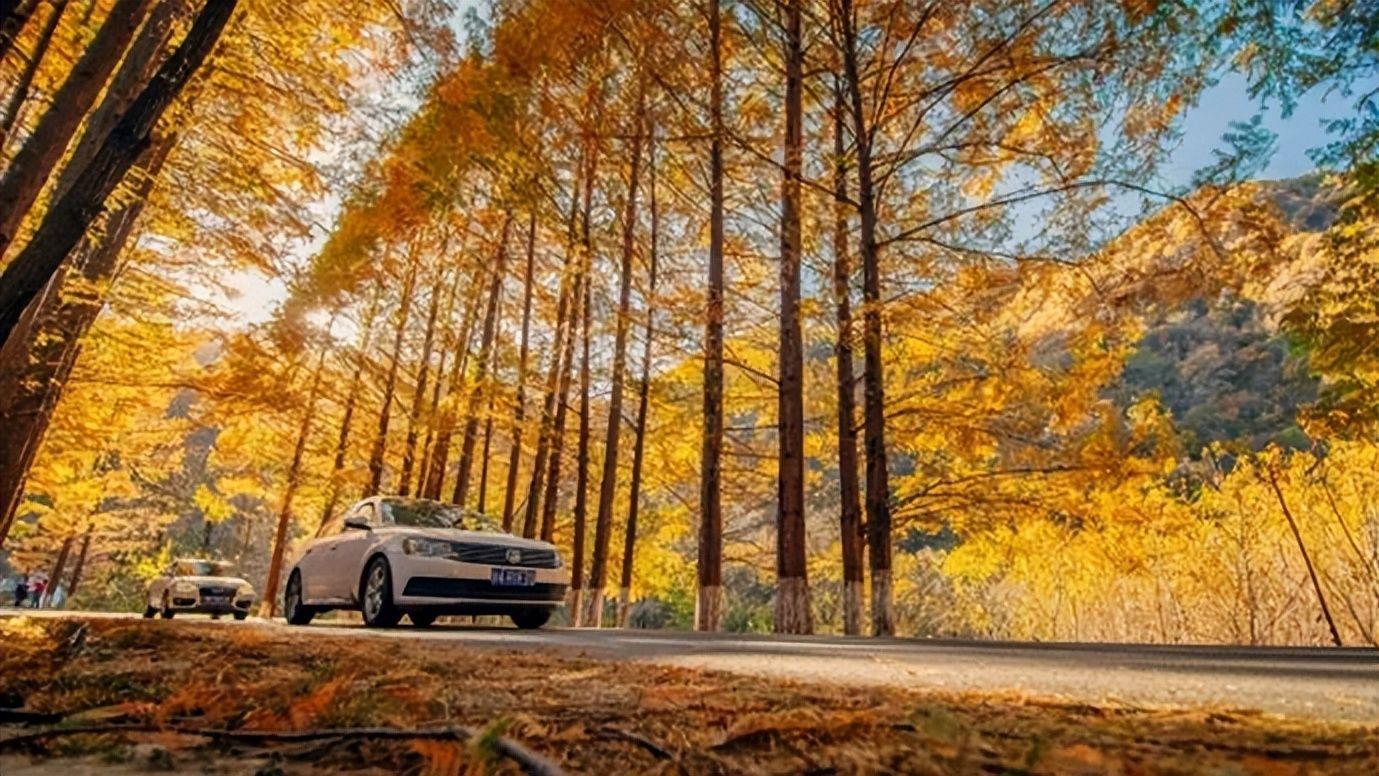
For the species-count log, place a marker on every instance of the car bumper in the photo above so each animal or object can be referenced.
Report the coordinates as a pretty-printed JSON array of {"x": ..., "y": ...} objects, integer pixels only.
[
  {"x": 198, "y": 606},
  {"x": 455, "y": 587}
]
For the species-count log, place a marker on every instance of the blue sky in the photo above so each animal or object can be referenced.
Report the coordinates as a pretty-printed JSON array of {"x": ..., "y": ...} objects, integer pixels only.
[{"x": 1229, "y": 101}]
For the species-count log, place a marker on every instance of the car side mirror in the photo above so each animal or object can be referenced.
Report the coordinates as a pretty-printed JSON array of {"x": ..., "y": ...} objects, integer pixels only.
[{"x": 358, "y": 524}]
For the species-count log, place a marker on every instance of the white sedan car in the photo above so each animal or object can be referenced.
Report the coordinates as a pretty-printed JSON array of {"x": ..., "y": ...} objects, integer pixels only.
[
  {"x": 390, "y": 556},
  {"x": 196, "y": 586}
]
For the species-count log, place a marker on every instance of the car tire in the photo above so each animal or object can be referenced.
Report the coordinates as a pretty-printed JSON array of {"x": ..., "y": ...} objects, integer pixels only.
[
  {"x": 294, "y": 611},
  {"x": 215, "y": 616},
  {"x": 530, "y": 619},
  {"x": 241, "y": 615},
  {"x": 167, "y": 611},
  {"x": 422, "y": 619},
  {"x": 376, "y": 595},
  {"x": 150, "y": 612}
]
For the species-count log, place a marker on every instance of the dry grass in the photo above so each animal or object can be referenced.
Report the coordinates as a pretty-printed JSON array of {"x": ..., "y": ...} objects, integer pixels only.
[{"x": 589, "y": 715}]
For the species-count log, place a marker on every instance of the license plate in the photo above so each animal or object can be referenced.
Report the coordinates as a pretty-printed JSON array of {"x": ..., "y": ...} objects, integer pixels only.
[
  {"x": 513, "y": 577},
  {"x": 214, "y": 600}
]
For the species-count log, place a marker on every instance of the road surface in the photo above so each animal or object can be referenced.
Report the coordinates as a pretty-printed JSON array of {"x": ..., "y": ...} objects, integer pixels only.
[{"x": 1333, "y": 684}]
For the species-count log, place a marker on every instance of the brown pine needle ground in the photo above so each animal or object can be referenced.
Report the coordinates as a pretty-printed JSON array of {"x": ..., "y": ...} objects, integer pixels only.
[{"x": 583, "y": 715}]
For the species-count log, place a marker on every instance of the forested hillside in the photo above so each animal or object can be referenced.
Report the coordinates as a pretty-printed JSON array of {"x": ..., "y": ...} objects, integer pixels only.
[{"x": 862, "y": 317}]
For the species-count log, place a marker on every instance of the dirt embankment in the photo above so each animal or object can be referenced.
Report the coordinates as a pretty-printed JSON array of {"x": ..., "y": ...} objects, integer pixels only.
[{"x": 186, "y": 697}]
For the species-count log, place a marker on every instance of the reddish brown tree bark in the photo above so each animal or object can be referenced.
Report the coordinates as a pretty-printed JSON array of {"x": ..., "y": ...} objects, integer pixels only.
[
  {"x": 629, "y": 545},
  {"x": 849, "y": 488},
  {"x": 73, "y": 213},
  {"x": 20, "y": 91},
  {"x": 551, "y": 498},
  {"x": 878, "y": 504},
  {"x": 519, "y": 411},
  {"x": 38, "y": 158},
  {"x": 792, "y": 613},
  {"x": 409, "y": 449},
  {"x": 546, "y": 430},
  {"x": 37, "y": 361},
  {"x": 380, "y": 439},
  {"x": 351, "y": 402},
  {"x": 268, "y": 604},
  {"x": 79, "y": 573},
  {"x": 14, "y": 14},
  {"x": 445, "y": 427},
  {"x": 608, "y": 485},
  {"x": 581, "y": 516},
  {"x": 708, "y": 613},
  {"x": 481, "y": 387}
]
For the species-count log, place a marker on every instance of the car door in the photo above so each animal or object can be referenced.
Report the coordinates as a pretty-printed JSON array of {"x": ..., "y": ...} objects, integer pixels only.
[
  {"x": 346, "y": 556},
  {"x": 315, "y": 564}
]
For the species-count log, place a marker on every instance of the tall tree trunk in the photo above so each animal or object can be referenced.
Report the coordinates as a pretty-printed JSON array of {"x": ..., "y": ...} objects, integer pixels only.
[
  {"x": 380, "y": 440},
  {"x": 554, "y": 373},
  {"x": 608, "y": 486},
  {"x": 849, "y": 489},
  {"x": 481, "y": 386},
  {"x": 581, "y": 516},
  {"x": 519, "y": 412},
  {"x": 551, "y": 499},
  {"x": 629, "y": 545},
  {"x": 445, "y": 427},
  {"x": 20, "y": 92},
  {"x": 59, "y": 565},
  {"x": 484, "y": 457},
  {"x": 419, "y": 392},
  {"x": 14, "y": 14},
  {"x": 424, "y": 468},
  {"x": 873, "y": 369},
  {"x": 36, "y": 362},
  {"x": 145, "y": 55},
  {"x": 268, "y": 605},
  {"x": 708, "y": 612},
  {"x": 36, "y": 160},
  {"x": 551, "y": 439},
  {"x": 79, "y": 573},
  {"x": 342, "y": 441},
  {"x": 792, "y": 582},
  {"x": 69, "y": 218}
]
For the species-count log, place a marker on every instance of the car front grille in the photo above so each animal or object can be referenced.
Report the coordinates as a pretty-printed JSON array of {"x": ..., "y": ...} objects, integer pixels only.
[
  {"x": 213, "y": 590},
  {"x": 497, "y": 555},
  {"x": 442, "y": 587}
]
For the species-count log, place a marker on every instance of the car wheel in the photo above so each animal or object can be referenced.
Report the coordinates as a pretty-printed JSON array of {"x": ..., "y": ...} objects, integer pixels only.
[
  {"x": 241, "y": 615},
  {"x": 531, "y": 619},
  {"x": 167, "y": 612},
  {"x": 376, "y": 595},
  {"x": 422, "y": 619},
  {"x": 215, "y": 616},
  {"x": 149, "y": 612},
  {"x": 294, "y": 611}
]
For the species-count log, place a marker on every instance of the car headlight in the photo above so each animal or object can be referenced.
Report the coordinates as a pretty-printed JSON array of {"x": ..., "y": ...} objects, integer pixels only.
[
  {"x": 428, "y": 548},
  {"x": 184, "y": 587}
]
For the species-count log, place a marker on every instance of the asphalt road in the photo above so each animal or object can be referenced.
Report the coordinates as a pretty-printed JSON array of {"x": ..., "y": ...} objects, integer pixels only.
[{"x": 1334, "y": 684}]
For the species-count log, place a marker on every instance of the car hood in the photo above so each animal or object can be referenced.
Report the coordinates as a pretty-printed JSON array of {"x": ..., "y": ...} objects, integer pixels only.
[
  {"x": 212, "y": 581},
  {"x": 478, "y": 537}
]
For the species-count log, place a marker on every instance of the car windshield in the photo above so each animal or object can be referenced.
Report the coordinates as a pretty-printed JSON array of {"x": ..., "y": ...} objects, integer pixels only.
[
  {"x": 420, "y": 513},
  {"x": 202, "y": 568}
]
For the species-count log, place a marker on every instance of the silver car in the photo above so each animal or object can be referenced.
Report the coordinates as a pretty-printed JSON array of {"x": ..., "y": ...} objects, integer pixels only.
[{"x": 198, "y": 586}]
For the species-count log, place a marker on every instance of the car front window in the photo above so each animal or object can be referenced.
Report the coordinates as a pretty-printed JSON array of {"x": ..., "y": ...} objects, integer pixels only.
[
  {"x": 419, "y": 513},
  {"x": 201, "y": 568}
]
